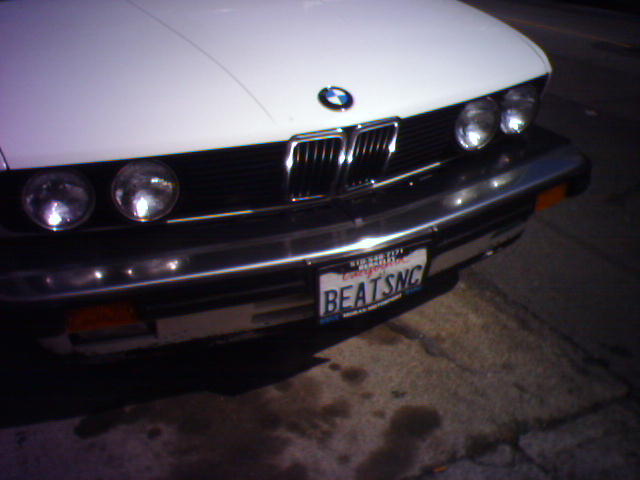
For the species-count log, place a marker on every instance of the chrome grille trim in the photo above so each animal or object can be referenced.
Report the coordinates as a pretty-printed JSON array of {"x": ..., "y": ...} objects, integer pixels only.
[
  {"x": 404, "y": 176},
  {"x": 313, "y": 163},
  {"x": 370, "y": 147}
]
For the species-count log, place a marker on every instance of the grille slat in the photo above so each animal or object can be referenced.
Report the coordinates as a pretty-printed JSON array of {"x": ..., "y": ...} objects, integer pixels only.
[{"x": 314, "y": 165}]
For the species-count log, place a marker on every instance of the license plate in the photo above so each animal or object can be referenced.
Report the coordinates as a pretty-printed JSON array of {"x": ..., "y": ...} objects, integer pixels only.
[{"x": 367, "y": 283}]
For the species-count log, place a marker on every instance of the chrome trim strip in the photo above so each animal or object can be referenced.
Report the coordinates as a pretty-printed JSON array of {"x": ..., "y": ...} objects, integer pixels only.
[
  {"x": 213, "y": 215},
  {"x": 360, "y": 130},
  {"x": 297, "y": 140},
  {"x": 404, "y": 176},
  {"x": 304, "y": 199}
]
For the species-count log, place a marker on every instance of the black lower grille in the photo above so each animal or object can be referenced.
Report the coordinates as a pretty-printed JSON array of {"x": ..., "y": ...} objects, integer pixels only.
[
  {"x": 423, "y": 140},
  {"x": 230, "y": 179}
]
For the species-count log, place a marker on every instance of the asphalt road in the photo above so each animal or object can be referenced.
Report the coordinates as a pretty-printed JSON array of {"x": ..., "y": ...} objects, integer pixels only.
[{"x": 526, "y": 369}]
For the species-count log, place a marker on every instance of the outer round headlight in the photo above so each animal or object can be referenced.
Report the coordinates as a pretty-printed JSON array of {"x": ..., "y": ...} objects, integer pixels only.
[
  {"x": 58, "y": 200},
  {"x": 477, "y": 124},
  {"x": 518, "y": 109},
  {"x": 145, "y": 190}
]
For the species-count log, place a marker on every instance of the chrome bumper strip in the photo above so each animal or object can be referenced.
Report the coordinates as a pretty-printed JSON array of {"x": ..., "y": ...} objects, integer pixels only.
[{"x": 308, "y": 247}]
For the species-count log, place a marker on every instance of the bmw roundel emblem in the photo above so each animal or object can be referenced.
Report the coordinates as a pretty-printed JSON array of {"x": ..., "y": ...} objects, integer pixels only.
[{"x": 335, "y": 98}]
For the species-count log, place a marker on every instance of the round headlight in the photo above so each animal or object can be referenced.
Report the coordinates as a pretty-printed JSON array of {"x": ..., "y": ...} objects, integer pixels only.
[
  {"x": 145, "y": 190},
  {"x": 476, "y": 124},
  {"x": 518, "y": 109},
  {"x": 58, "y": 200}
]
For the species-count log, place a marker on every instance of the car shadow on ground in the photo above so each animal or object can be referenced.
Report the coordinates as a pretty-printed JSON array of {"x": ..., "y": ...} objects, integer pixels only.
[{"x": 37, "y": 387}]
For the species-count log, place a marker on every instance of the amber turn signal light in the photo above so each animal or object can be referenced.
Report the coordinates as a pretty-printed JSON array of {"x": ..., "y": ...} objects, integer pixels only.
[{"x": 551, "y": 197}]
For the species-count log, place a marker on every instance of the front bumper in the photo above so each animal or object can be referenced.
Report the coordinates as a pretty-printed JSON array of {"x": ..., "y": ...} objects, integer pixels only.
[{"x": 465, "y": 208}]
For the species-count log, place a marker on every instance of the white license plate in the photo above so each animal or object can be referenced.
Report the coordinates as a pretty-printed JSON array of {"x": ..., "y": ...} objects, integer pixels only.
[{"x": 362, "y": 285}]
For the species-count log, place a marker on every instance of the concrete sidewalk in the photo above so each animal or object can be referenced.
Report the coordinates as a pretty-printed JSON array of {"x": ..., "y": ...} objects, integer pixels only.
[
  {"x": 604, "y": 444},
  {"x": 595, "y": 444}
]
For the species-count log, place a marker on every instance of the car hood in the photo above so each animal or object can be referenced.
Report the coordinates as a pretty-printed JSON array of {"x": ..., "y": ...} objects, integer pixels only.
[{"x": 90, "y": 80}]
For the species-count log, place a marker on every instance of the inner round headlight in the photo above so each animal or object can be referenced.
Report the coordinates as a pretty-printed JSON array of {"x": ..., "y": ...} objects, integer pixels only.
[
  {"x": 58, "y": 200},
  {"x": 145, "y": 190},
  {"x": 518, "y": 109},
  {"x": 477, "y": 124}
]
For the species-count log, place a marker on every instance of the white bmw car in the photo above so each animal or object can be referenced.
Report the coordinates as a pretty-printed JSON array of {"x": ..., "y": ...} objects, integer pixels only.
[{"x": 173, "y": 171}]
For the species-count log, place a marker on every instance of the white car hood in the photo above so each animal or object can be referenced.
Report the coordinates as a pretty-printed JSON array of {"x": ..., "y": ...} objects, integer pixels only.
[{"x": 89, "y": 80}]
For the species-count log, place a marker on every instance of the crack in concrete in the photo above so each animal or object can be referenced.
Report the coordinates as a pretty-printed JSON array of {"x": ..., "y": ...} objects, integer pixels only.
[{"x": 546, "y": 470}]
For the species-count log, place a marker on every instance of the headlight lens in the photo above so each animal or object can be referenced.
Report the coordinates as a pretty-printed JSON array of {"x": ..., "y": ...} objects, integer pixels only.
[
  {"x": 145, "y": 190},
  {"x": 518, "y": 109},
  {"x": 58, "y": 200},
  {"x": 477, "y": 124}
]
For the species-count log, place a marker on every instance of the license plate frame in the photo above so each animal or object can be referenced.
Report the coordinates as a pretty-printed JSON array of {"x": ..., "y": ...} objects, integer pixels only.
[{"x": 411, "y": 260}]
